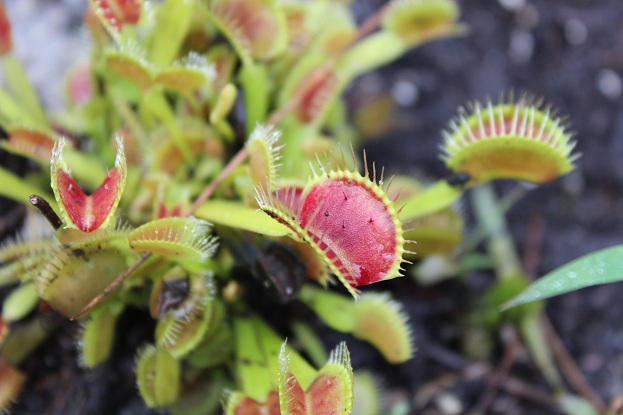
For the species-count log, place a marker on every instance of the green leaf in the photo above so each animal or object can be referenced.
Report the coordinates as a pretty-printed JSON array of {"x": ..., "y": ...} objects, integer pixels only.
[
  {"x": 20, "y": 303},
  {"x": 599, "y": 267},
  {"x": 272, "y": 344},
  {"x": 19, "y": 190},
  {"x": 369, "y": 395},
  {"x": 374, "y": 51},
  {"x": 71, "y": 279},
  {"x": 237, "y": 215},
  {"x": 575, "y": 405},
  {"x": 23, "y": 90},
  {"x": 254, "y": 81},
  {"x": 12, "y": 114},
  {"x": 158, "y": 375},
  {"x": 436, "y": 197},
  {"x": 251, "y": 364},
  {"x": 98, "y": 336},
  {"x": 158, "y": 106},
  {"x": 334, "y": 309},
  {"x": 23, "y": 339},
  {"x": 174, "y": 19},
  {"x": 310, "y": 343}
]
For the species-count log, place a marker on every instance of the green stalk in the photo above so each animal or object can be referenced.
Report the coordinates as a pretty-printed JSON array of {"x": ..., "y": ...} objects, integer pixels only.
[
  {"x": 271, "y": 345},
  {"x": 500, "y": 244},
  {"x": 536, "y": 342},
  {"x": 156, "y": 103},
  {"x": 293, "y": 161},
  {"x": 507, "y": 268},
  {"x": 311, "y": 343},
  {"x": 19, "y": 190},
  {"x": 21, "y": 87},
  {"x": 12, "y": 114},
  {"x": 254, "y": 81},
  {"x": 174, "y": 20}
]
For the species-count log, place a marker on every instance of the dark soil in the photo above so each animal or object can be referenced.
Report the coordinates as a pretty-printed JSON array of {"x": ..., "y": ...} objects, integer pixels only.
[{"x": 568, "y": 51}]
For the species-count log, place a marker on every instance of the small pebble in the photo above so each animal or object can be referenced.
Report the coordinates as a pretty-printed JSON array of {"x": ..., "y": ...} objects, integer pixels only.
[
  {"x": 521, "y": 46},
  {"x": 591, "y": 362},
  {"x": 575, "y": 31},
  {"x": 405, "y": 92},
  {"x": 449, "y": 404},
  {"x": 512, "y": 5},
  {"x": 609, "y": 83},
  {"x": 527, "y": 17}
]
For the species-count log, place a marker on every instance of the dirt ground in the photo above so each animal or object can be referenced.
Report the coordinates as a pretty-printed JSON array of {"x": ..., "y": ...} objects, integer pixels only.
[{"x": 568, "y": 51}]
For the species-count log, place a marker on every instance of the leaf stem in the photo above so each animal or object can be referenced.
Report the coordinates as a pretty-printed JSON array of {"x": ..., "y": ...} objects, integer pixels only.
[
  {"x": 507, "y": 266},
  {"x": 47, "y": 211},
  {"x": 569, "y": 368},
  {"x": 210, "y": 188},
  {"x": 500, "y": 245}
]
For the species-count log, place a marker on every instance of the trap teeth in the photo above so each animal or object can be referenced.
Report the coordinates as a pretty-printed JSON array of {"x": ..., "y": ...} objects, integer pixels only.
[
  {"x": 520, "y": 140},
  {"x": 348, "y": 219}
]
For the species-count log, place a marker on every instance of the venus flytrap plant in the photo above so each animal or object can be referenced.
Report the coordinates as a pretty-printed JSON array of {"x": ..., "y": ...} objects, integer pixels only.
[
  {"x": 405, "y": 24},
  {"x": 158, "y": 376},
  {"x": 516, "y": 140},
  {"x": 330, "y": 392},
  {"x": 342, "y": 235},
  {"x": 521, "y": 141},
  {"x": 181, "y": 329},
  {"x": 79, "y": 210},
  {"x": 211, "y": 109},
  {"x": 98, "y": 334},
  {"x": 375, "y": 317},
  {"x": 258, "y": 377},
  {"x": 257, "y": 31},
  {"x": 512, "y": 141},
  {"x": 115, "y": 14},
  {"x": 310, "y": 92},
  {"x": 369, "y": 394},
  {"x": 275, "y": 379},
  {"x": 264, "y": 154},
  {"x": 20, "y": 257}
]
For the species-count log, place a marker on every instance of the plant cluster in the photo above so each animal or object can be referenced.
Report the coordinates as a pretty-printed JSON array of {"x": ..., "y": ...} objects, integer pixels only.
[{"x": 204, "y": 156}]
